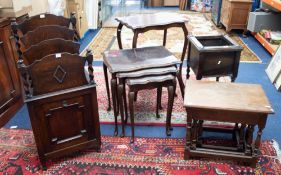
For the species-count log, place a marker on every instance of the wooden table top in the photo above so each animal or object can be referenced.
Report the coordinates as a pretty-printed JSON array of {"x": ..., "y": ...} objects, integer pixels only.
[
  {"x": 136, "y": 59},
  {"x": 226, "y": 96},
  {"x": 147, "y": 20}
]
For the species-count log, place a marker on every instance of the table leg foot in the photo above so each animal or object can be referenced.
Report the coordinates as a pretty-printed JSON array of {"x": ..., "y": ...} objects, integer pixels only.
[{"x": 116, "y": 132}]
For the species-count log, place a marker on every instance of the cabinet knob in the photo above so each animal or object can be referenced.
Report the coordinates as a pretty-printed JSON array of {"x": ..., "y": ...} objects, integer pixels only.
[
  {"x": 64, "y": 103},
  {"x": 219, "y": 62}
]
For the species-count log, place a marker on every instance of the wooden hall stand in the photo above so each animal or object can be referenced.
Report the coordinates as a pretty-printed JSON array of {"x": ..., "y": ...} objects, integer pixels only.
[{"x": 225, "y": 102}]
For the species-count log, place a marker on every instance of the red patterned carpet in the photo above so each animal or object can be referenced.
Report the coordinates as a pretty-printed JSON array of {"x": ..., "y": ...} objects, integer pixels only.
[{"x": 18, "y": 155}]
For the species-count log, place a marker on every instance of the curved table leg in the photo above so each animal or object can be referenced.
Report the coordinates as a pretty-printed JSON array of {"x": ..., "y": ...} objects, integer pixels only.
[
  {"x": 185, "y": 31},
  {"x": 171, "y": 97},
  {"x": 158, "y": 101},
  {"x": 119, "y": 29},
  {"x": 107, "y": 86},
  {"x": 187, "y": 62},
  {"x": 135, "y": 39},
  {"x": 132, "y": 115},
  {"x": 113, "y": 91},
  {"x": 125, "y": 102},
  {"x": 165, "y": 37},
  {"x": 120, "y": 99}
]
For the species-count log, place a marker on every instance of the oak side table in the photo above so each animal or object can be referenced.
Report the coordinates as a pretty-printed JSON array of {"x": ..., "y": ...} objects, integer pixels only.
[{"x": 246, "y": 104}]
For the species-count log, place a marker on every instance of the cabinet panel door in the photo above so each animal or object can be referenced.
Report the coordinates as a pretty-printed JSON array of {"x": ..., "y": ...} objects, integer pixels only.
[
  {"x": 225, "y": 12},
  {"x": 7, "y": 89}
]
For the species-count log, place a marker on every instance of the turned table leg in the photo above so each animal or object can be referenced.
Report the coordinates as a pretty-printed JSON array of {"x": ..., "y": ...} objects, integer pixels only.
[
  {"x": 242, "y": 137},
  {"x": 249, "y": 139},
  {"x": 200, "y": 132},
  {"x": 188, "y": 137},
  {"x": 194, "y": 133},
  {"x": 261, "y": 126}
]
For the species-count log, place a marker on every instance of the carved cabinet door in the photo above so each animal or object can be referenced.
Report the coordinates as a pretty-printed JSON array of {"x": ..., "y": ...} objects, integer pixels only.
[
  {"x": 65, "y": 122},
  {"x": 10, "y": 86},
  {"x": 7, "y": 88}
]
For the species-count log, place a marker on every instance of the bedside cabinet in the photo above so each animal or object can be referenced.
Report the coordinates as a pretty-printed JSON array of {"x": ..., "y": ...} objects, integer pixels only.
[
  {"x": 234, "y": 14},
  {"x": 213, "y": 56}
]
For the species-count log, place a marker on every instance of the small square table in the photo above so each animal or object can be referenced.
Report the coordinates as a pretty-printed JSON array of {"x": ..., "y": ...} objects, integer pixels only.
[{"x": 246, "y": 104}]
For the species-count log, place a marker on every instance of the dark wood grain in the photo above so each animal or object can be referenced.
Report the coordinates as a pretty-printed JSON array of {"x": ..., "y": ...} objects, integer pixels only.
[
  {"x": 10, "y": 87},
  {"x": 137, "y": 59},
  {"x": 227, "y": 96},
  {"x": 246, "y": 104},
  {"x": 47, "y": 32},
  {"x": 48, "y": 47},
  {"x": 159, "y": 21},
  {"x": 42, "y": 73},
  {"x": 19, "y": 29},
  {"x": 32, "y": 23},
  {"x": 148, "y": 72},
  {"x": 75, "y": 111},
  {"x": 62, "y": 104},
  {"x": 213, "y": 56},
  {"x": 149, "y": 20}
]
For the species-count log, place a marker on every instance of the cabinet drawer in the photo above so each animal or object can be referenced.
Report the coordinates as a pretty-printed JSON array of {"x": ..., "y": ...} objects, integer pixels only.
[{"x": 217, "y": 63}]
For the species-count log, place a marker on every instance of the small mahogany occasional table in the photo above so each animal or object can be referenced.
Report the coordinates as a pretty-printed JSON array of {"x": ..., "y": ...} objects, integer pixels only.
[{"x": 246, "y": 104}]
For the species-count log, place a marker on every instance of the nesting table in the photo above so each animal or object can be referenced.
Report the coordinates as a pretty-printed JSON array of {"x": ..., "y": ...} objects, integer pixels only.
[
  {"x": 129, "y": 60},
  {"x": 246, "y": 104},
  {"x": 142, "y": 23}
]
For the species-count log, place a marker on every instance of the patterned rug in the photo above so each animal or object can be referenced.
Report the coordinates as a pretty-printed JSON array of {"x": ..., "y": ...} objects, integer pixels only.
[
  {"x": 18, "y": 155},
  {"x": 145, "y": 107},
  {"x": 199, "y": 24}
]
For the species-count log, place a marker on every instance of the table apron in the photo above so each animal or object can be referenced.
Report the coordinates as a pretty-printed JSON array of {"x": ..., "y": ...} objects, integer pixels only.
[
  {"x": 159, "y": 27},
  {"x": 252, "y": 118}
]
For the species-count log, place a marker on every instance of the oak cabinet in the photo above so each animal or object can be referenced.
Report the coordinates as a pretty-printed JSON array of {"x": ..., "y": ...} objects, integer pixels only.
[
  {"x": 234, "y": 14},
  {"x": 10, "y": 87}
]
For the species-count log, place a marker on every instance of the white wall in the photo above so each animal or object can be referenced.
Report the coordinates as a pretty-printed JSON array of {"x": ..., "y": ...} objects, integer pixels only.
[
  {"x": 39, "y": 6},
  {"x": 92, "y": 13}
]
